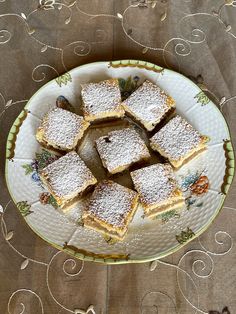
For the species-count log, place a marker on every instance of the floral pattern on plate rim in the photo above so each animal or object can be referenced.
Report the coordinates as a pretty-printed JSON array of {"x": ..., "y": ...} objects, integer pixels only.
[
  {"x": 41, "y": 160},
  {"x": 128, "y": 86},
  {"x": 184, "y": 236},
  {"x": 194, "y": 185},
  {"x": 24, "y": 208},
  {"x": 64, "y": 79},
  {"x": 202, "y": 98}
]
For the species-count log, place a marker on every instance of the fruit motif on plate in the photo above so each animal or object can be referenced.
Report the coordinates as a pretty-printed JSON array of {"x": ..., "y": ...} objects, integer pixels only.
[
  {"x": 41, "y": 160},
  {"x": 195, "y": 185}
]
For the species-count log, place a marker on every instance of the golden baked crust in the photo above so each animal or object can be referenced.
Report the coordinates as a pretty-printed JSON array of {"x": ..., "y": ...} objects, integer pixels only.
[
  {"x": 178, "y": 141},
  {"x": 157, "y": 188},
  {"x": 176, "y": 203},
  {"x": 101, "y": 100},
  {"x": 61, "y": 129},
  {"x": 66, "y": 178},
  {"x": 111, "y": 209},
  {"x": 94, "y": 225},
  {"x": 148, "y": 105}
]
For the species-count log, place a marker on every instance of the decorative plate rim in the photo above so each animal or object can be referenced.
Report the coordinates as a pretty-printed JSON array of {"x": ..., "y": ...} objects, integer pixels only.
[{"x": 229, "y": 171}]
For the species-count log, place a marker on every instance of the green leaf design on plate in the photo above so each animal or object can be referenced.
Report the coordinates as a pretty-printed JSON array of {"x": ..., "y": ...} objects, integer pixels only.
[
  {"x": 165, "y": 217},
  {"x": 47, "y": 198},
  {"x": 202, "y": 98},
  {"x": 128, "y": 86},
  {"x": 52, "y": 201},
  {"x": 64, "y": 79},
  {"x": 122, "y": 83},
  {"x": 24, "y": 208},
  {"x": 42, "y": 158},
  {"x": 28, "y": 168},
  {"x": 184, "y": 236}
]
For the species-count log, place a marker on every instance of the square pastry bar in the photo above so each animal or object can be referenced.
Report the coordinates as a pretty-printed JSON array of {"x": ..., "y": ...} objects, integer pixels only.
[
  {"x": 178, "y": 141},
  {"x": 111, "y": 209},
  {"x": 61, "y": 129},
  {"x": 66, "y": 179},
  {"x": 148, "y": 105},
  {"x": 121, "y": 148},
  {"x": 157, "y": 188},
  {"x": 101, "y": 100}
]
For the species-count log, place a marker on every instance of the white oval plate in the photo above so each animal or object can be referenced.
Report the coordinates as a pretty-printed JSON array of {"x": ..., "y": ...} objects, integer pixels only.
[{"x": 205, "y": 180}]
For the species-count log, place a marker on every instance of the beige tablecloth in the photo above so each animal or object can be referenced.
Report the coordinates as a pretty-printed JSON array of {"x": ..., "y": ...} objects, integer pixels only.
[{"x": 38, "y": 40}]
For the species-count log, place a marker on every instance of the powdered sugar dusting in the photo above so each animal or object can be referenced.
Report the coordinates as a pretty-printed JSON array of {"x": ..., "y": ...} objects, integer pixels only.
[
  {"x": 177, "y": 138},
  {"x": 68, "y": 175},
  {"x": 111, "y": 203},
  {"x": 121, "y": 148},
  {"x": 61, "y": 127},
  {"x": 154, "y": 183},
  {"x": 148, "y": 103},
  {"x": 101, "y": 97}
]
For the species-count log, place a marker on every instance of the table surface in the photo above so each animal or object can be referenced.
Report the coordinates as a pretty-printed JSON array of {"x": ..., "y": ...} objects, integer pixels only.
[{"x": 38, "y": 40}]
